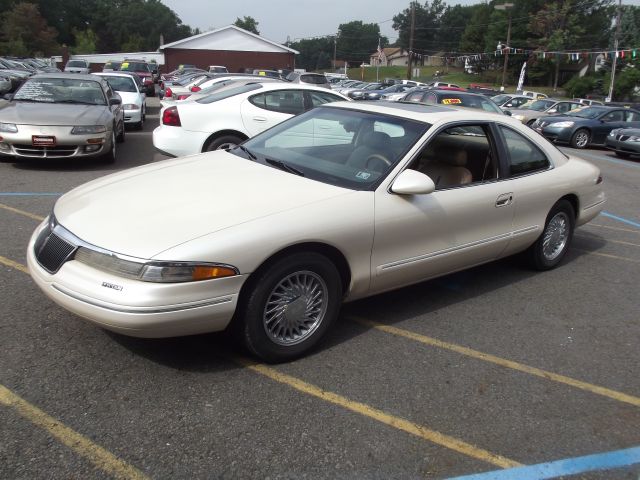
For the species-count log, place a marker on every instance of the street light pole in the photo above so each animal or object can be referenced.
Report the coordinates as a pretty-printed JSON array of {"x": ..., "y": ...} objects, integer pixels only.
[
  {"x": 508, "y": 7},
  {"x": 615, "y": 56}
]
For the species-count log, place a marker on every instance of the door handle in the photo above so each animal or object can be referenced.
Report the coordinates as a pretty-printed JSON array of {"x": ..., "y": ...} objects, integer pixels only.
[
  {"x": 259, "y": 119},
  {"x": 504, "y": 200}
]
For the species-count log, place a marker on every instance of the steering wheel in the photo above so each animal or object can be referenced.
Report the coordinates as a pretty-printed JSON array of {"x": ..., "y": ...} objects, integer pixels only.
[{"x": 379, "y": 158}]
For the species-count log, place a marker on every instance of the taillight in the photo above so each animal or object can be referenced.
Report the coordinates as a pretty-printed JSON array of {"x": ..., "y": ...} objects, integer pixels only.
[
  {"x": 168, "y": 93},
  {"x": 171, "y": 117},
  {"x": 183, "y": 96},
  {"x": 195, "y": 88}
]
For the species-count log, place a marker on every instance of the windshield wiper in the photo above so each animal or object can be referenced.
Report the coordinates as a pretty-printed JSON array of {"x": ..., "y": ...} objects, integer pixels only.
[
  {"x": 283, "y": 166},
  {"x": 78, "y": 102},
  {"x": 247, "y": 151}
]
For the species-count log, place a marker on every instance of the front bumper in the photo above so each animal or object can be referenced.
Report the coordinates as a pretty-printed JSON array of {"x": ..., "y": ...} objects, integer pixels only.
[
  {"x": 556, "y": 135},
  {"x": 20, "y": 144},
  {"x": 133, "y": 116},
  {"x": 630, "y": 148},
  {"x": 135, "y": 308}
]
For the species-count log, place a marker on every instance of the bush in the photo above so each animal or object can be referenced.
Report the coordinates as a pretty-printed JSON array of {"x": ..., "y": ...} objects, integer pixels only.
[{"x": 579, "y": 87}]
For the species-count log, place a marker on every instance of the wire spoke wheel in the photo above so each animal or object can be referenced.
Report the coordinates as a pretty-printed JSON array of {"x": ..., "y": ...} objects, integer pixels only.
[
  {"x": 556, "y": 236},
  {"x": 295, "y": 308}
]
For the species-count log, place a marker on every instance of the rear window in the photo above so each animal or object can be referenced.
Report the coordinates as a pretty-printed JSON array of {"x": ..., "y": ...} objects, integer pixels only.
[
  {"x": 77, "y": 63},
  {"x": 217, "y": 96},
  {"x": 314, "y": 79},
  {"x": 134, "y": 67}
]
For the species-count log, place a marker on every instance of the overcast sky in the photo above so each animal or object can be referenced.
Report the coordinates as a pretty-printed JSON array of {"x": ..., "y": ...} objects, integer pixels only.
[{"x": 295, "y": 18}]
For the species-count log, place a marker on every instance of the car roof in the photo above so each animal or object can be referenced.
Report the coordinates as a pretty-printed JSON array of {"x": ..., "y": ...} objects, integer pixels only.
[
  {"x": 63, "y": 75},
  {"x": 421, "y": 112}
]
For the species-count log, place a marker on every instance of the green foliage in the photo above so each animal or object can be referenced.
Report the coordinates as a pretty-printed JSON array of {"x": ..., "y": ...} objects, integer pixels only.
[
  {"x": 315, "y": 53},
  {"x": 25, "y": 32},
  {"x": 86, "y": 41},
  {"x": 247, "y": 23},
  {"x": 579, "y": 87},
  {"x": 627, "y": 79},
  {"x": 357, "y": 41}
]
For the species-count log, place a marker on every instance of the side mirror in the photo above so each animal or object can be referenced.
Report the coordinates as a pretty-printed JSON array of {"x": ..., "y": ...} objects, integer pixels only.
[
  {"x": 412, "y": 182},
  {"x": 509, "y": 104},
  {"x": 553, "y": 110},
  {"x": 8, "y": 96},
  {"x": 115, "y": 101},
  {"x": 507, "y": 113}
]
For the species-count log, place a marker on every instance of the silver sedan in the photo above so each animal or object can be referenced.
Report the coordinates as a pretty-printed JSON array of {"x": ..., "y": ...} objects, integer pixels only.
[
  {"x": 335, "y": 204},
  {"x": 62, "y": 116}
]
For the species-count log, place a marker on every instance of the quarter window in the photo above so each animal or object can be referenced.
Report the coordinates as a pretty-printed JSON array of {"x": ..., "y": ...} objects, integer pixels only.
[
  {"x": 283, "y": 101},
  {"x": 524, "y": 156},
  {"x": 615, "y": 116},
  {"x": 320, "y": 98}
]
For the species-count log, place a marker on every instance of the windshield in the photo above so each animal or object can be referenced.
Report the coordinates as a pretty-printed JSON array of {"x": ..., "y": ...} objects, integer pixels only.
[
  {"x": 61, "y": 90},
  {"x": 540, "y": 105},
  {"x": 341, "y": 147},
  {"x": 122, "y": 84},
  {"x": 589, "y": 112},
  {"x": 77, "y": 63},
  {"x": 134, "y": 67},
  {"x": 500, "y": 99}
]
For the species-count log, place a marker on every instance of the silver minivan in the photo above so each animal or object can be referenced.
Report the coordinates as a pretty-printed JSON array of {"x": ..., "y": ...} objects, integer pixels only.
[{"x": 315, "y": 79}]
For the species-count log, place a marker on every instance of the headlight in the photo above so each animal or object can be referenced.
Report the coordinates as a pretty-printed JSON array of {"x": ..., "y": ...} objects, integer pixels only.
[
  {"x": 613, "y": 133},
  {"x": 154, "y": 271},
  {"x": 563, "y": 124},
  {"x": 171, "y": 272},
  {"x": 88, "y": 129},
  {"x": 634, "y": 139},
  {"x": 8, "y": 128},
  {"x": 131, "y": 106}
]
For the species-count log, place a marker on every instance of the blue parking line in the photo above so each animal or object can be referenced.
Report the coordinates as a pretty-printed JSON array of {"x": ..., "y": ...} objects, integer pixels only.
[
  {"x": 620, "y": 219},
  {"x": 569, "y": 466},
  {"x": 29, "y": 194}
]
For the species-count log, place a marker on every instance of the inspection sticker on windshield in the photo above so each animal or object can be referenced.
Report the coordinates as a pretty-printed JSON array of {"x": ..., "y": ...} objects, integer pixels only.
[
  {"x": 363, "y": 175},
  {"x": 43, "y": 141},
  {"x": 449, "y": 101}
]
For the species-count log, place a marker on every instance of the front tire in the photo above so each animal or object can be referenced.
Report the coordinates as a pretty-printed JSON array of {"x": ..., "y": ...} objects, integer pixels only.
[
  {"x": 121, "y": 136},
  {"x": 110, "y": 156},
  {"x": 581, "y": 138},
  {"x": 289, "y": 306},
  {"x": 553, "y": 243}
]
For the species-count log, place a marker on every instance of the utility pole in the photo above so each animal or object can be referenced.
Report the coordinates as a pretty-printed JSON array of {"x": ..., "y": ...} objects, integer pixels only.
[
  {"x": 508, "y": 7},
  {"x": 335, "y": 48},
  {"x": 615, "y": 47},
  {"x": 413, "y": 26}
]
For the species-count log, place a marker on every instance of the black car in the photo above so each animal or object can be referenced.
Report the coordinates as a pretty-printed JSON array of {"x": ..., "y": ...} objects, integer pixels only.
[{"x": 586, "y": 126}]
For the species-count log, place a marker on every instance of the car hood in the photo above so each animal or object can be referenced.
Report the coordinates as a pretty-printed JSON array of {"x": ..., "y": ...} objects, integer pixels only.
[
  {"x": 27, "y": 113},
  {"x": 565, "y": 118},
  {"x": 146, "y": 210}
]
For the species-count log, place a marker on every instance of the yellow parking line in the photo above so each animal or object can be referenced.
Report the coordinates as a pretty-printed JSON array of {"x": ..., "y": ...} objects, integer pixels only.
[
  {"x": 97, "y": 455},
  {"x": 12, "y": 264},
  {"x": 21, "y": 212},
  {"x": 607, "y": 255},
  {"x": 613, "y": 228},
  {"x": 380, "y": 416},
  {"x": 486, "y": 357}
]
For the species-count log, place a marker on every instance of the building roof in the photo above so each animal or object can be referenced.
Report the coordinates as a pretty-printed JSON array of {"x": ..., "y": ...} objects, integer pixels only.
[
  {"x": 229, "y": 38},
  {"x": 390, "y": 51}
]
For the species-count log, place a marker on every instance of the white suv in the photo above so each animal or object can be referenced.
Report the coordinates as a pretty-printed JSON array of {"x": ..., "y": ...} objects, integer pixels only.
[{"x": 77, "y": 66}]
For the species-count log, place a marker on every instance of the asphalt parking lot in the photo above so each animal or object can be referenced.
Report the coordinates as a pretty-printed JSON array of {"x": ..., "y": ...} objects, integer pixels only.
[{"x": 481, "y": 371}]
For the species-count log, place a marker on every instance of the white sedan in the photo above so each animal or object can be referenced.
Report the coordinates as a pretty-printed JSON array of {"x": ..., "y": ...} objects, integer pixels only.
[
  {"x": 134, "y": 99},
  {"x": 229, "y": 116},
  {"x": 339, "y": 203}
]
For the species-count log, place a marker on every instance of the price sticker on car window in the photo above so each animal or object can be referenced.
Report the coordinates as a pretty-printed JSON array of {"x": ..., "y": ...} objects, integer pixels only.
[
  {"x": 363, "y": 175},
  {"x": 124, "y": 65},
  {"x": 262, "y": 74},
  {"x": 450, "y": 101}
]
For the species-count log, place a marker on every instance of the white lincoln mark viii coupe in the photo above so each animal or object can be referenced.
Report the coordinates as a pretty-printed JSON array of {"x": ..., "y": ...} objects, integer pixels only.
[{"x": 336, "y": 204}]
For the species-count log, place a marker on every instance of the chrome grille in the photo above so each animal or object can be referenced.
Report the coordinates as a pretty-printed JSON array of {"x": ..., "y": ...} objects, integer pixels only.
[
  {"x": 622, "y": 138},
  {"x": 58, "y": 151},
  {"x": 52, "y": 251}
]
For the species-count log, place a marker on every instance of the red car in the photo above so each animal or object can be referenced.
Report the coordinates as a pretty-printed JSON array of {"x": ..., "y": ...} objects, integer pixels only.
[{"x": 144, "y": 71}]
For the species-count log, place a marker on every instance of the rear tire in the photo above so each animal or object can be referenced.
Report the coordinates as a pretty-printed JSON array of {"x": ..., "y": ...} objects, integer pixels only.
[
  {"x": 224, "y": 142},
  {"x": 289, "y": 306},
  {"x": 552, "y": 245}
]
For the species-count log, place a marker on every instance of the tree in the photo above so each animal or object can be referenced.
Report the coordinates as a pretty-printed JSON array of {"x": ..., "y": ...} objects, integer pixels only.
[
  {"x": 427, "y": 36},
  {"x": 85, "y": 42},
  {"x": 315, "y": 53},
  {"x": 357, "y": 41},
  {"x": 247, "y": 23},
  {"x": 26, "y": 32}
]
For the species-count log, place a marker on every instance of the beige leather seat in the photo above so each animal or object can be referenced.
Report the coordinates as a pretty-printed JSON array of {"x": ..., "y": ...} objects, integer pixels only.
[{"x": 448, "y": 168}]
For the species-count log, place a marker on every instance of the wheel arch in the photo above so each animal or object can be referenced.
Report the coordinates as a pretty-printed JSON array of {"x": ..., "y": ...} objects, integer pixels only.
[
  {"x": 572, "y": 198},
  {"x": 222, "y": 133},
  {"x": 329, "y": 251}
]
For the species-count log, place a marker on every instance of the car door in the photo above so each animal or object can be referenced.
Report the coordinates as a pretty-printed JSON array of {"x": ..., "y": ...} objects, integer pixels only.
[
  {"x": 466, "y": 221},
  {"x": 606, "y": 123},
  {"x": 264, "y": 110}
]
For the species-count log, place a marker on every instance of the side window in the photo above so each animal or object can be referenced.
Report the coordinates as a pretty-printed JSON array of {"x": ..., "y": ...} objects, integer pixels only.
[
  {"x": 414, "y": 97},
  {"x": 524, "y": 156},
  {"x": 615, "y": 116},
  {"x": 320, "y": 98},
  {"x": 258, "y": 100},
  {"x": 458, "y": 156},
  {"x": 631, "y": 117},
  {"x": 284, "y": 101},
  {"x": 564, "y": 107},
  {"x": 431, "y": 99}
]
